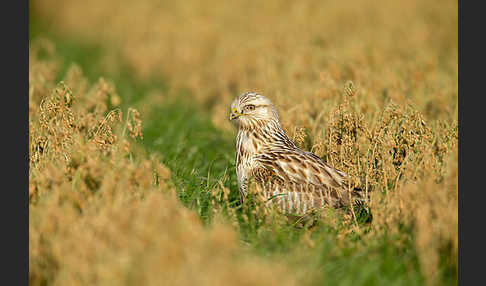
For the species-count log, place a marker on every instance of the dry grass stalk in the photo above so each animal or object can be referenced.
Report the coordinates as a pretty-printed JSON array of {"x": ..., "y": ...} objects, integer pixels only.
[{"x": 102, "y": 213}]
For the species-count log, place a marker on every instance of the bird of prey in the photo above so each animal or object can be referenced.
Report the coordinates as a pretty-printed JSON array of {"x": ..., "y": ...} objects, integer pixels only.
[{"x": 294, "y": 180}]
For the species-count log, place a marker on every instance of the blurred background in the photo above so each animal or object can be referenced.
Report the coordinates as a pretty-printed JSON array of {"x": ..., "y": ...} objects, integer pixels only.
[
  {"x": 305, "y": 51},
  {"x": 382, "y": 73}
]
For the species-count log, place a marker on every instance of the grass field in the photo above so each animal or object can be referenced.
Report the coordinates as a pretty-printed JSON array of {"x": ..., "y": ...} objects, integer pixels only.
[{"x": 132, "y": 178}]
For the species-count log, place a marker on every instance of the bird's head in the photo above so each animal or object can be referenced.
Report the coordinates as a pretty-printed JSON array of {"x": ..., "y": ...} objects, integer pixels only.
[{"x": 252, "y": 110}]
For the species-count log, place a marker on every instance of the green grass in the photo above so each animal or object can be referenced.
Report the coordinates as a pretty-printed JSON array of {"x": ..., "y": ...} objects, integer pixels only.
[{"x": 199, "y": 155}]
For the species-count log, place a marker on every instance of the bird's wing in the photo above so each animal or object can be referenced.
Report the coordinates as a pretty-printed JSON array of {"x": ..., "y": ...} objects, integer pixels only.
[
  {"x": 305, "y": 179},
  {"x": 299, "y": 167}
]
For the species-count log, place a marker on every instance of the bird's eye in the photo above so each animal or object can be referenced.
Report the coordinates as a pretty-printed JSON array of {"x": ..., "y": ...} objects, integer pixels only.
[{"x": 250, "y": 107}]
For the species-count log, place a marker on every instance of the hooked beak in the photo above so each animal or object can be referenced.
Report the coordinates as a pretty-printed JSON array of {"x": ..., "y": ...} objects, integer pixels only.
[{"x": 234, "y": 114}]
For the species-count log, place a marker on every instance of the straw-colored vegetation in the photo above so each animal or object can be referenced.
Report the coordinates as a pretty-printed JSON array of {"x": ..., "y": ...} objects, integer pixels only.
[
  {"x": 370, "y": 86},
  {"x": 103, "y": 214}
]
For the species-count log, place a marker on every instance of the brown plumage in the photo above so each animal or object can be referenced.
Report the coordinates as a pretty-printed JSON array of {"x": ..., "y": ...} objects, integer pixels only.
[{"x": 296, "y": 180}]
